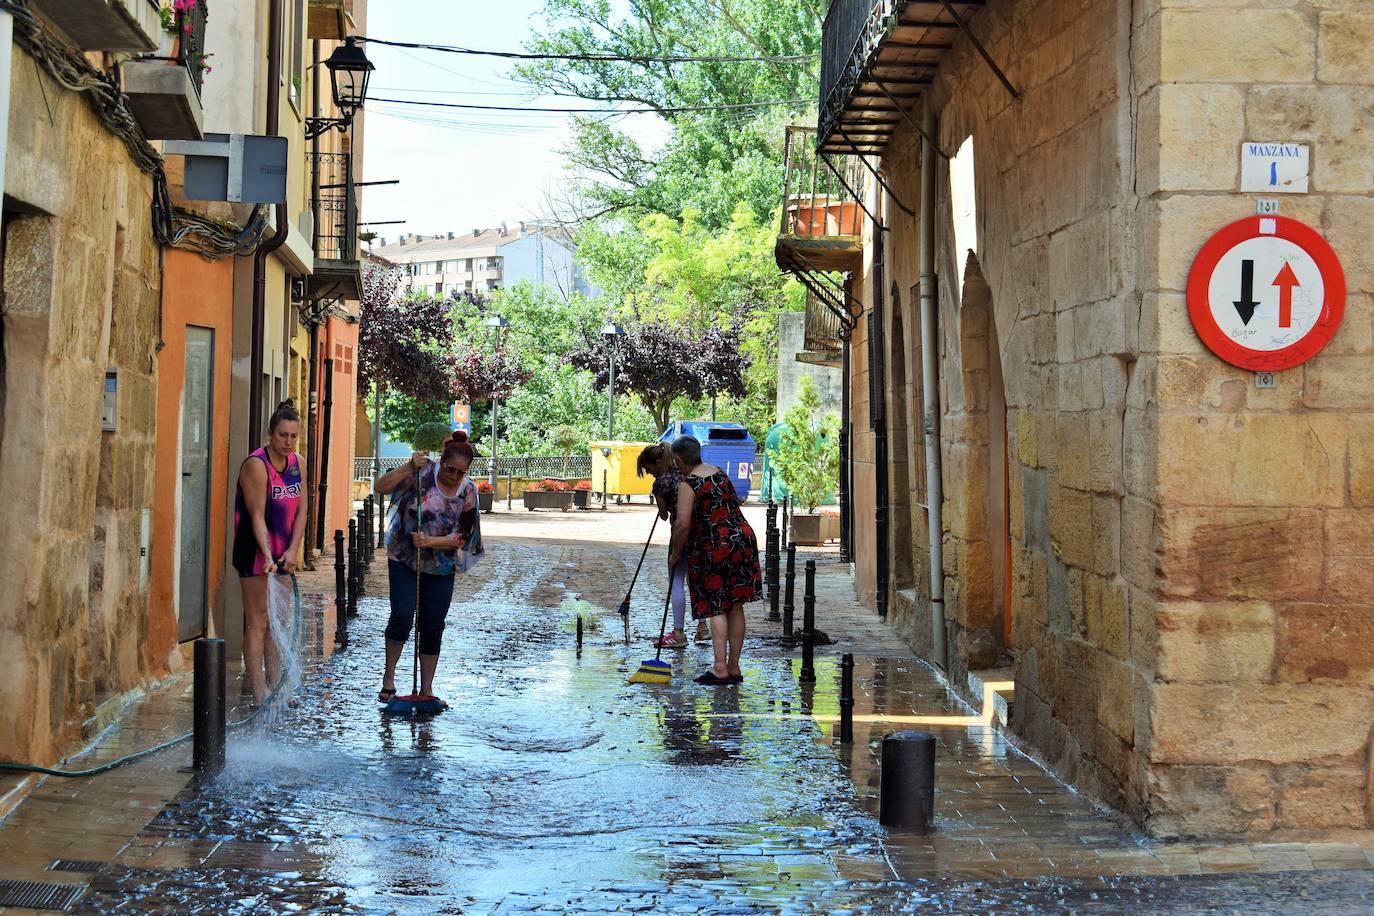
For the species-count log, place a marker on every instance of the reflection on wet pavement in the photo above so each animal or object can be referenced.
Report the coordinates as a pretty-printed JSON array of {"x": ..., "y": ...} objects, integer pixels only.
[{"x": 553, "y": 785}]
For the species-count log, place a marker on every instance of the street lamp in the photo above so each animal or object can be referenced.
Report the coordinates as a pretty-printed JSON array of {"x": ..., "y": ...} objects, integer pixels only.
[
  {"x": 498, "y": 327},
  {"x": 349, "y": 72},
  {"x": 613, "y": 333}
]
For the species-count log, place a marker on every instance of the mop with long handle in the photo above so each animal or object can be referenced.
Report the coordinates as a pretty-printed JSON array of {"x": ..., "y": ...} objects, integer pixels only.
[{"x": 416, "y": 703}]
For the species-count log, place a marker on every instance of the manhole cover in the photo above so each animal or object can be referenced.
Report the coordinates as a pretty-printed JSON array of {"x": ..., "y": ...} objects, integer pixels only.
[
  {"x": 37, "y": 895},
  {"x": 76, "y": 865}
]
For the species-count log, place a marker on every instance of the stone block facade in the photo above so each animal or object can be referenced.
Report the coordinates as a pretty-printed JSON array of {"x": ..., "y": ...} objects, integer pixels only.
[{"x": 1178, "y": 562}]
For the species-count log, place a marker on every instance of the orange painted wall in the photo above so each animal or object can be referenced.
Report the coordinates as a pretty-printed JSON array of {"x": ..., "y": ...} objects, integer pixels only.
[
  {"x": 339, "y": 341},
  {"x": 194, "y": 292}
]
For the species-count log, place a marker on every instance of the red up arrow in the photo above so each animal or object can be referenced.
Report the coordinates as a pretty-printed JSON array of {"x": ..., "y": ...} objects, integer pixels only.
[{"x": 1285, "y": 281}]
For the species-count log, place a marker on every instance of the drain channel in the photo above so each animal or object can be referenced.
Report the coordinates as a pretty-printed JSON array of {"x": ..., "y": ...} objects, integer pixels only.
[{"x": 37, "y": 895}]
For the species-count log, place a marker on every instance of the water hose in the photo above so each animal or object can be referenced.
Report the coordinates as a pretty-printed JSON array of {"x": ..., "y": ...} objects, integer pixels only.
[{"x": 179, "y": 739}]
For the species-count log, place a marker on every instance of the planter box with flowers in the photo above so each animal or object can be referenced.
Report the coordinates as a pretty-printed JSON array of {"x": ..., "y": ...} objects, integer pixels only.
[
  {"x": 548, "y": 494},
  {"x": 485, "y": 496},
  {"x": 582, "y": 494}
]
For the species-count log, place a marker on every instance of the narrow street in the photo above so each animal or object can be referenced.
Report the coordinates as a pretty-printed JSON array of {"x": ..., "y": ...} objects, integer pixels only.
[{"x": 553, "y": 785}]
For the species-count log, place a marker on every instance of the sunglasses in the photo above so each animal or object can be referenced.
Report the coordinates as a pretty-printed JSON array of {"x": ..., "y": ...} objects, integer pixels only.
[{"x": 452, "y": 469}]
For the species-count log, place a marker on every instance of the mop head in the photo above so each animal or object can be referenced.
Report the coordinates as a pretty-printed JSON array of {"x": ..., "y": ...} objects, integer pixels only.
[
  {"x": 414, "y": 704},
  {"x": 652, "y": 671}
]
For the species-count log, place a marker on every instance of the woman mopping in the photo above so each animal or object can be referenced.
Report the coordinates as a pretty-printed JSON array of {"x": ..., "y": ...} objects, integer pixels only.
[
  {"x": 448, "y": 541},
  {"x": 269, "y": 523},
  {"x": 722, "y": 556},
  {"x": 657, "y": 461}
]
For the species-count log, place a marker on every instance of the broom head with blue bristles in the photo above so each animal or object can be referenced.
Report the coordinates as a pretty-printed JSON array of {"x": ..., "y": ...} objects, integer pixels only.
[{"x": 414, "y": 704}]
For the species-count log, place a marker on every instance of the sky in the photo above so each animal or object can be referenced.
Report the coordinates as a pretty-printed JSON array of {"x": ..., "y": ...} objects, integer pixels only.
[{"x": 461, "y": 170}]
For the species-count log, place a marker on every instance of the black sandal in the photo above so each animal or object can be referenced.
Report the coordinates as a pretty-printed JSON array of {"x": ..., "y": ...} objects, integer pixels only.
[
  {"x": 711, "y": 680},
  {"x": 385, "y": 694}
]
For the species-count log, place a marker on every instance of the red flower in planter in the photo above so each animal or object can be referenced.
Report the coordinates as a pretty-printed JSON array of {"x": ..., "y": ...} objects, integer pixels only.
[{"x": 483, "y": 486}]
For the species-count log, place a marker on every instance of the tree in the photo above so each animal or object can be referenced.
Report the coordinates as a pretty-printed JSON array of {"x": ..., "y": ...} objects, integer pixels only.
[
  {"x": 567, "y": 439},
  {"x": 662, "y": 361},
  {"x": 431, "y": 437},
  {"x": 403, "y": 344},
  {"x": 808, "y": 455},
  {"x": 404, "y": 417},
  {"x": 482, "y": 376}
]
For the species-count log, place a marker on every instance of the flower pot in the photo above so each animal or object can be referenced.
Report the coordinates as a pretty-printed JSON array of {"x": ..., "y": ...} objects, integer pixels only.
[
  {"x": 484, "y": 500},
  {"x": 582, "y": 498},
  {"x": 806, "y": 530},
  {"x": 830, "y": 527},
  {"x": 548, "y": 499}
]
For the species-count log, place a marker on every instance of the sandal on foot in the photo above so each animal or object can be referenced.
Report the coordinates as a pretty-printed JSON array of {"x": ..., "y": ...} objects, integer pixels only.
[
  {"x": 711, "y": 680},
  {"x": 737, "y": 679},
  {"x": 385, "y": 694}
]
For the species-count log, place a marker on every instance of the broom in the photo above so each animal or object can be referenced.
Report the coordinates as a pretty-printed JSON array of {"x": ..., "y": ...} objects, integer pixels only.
[
  {"x": 416, "y": 703},
  {"x": 625, "y": 605},
  {"x": 655, "y": 670}
]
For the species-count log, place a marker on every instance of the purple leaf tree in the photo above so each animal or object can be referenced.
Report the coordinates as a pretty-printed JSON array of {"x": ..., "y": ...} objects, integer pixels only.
[{"x": 405, "y": 345}]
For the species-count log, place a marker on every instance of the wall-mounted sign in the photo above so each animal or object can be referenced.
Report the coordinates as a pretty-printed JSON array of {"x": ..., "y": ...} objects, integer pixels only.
[
  {"x": 1266, "y": 293},
  {"x": 1275, "y": 168},
  {"x": 460, "y": 417}
]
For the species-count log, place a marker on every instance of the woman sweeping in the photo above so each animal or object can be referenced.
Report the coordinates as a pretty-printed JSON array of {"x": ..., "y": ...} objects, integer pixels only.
[
  {"x": 269, "y": 523},
  {"x": 447, "y": 541},
  {"x": 657, "y": 461},
  {"x": 722, "y": 557}
]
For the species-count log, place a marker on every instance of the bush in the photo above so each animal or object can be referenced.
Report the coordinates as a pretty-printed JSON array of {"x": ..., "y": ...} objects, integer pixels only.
[{"x": 808, "y": 455}]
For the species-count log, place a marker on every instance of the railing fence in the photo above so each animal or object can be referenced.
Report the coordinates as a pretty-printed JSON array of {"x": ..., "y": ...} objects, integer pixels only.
[{"x": 570, "y": 467}]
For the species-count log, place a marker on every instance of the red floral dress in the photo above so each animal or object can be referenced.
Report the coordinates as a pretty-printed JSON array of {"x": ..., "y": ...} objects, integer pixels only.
[{"x": 722, "y": 553}]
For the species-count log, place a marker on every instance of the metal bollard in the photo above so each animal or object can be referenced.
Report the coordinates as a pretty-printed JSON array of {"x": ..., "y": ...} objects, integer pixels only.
[
  {"x": 847, "y": 699},
  {"x": 340, "y": 592},
  {"x": 360, "y": 534},
  {"x": 774, "y": 585},
  {"x": 381, "y": 521},
  {"x": 354, "y": 582},
  {"x": 579, "y": 634},
  {"x": 772, "y": 515},
  {"x": 906, "y": 797},
  {"x": 789, "y": 606},
  {"x": 367, "y": 515},
  {"x": 605, "y": 487},
  {"x": 785, "y": 523},
  {"x": 207, "y": 743},
  {"x": 808, "y": 667}
]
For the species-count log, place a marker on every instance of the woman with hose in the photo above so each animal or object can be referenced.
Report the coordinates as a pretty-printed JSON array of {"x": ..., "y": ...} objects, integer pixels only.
[
  {"x": 269, "y": 523},
  {"x": 657, "y": 461},
  {"x": 434, "y": 531}
]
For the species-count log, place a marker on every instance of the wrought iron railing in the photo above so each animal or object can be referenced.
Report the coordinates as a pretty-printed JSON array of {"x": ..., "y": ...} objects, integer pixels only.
[
  {"x": 853, "y": 31},
  {"x": 824, "y": 332},
  {"x": 190, "y": 26},
  {"x": 820, "y": 190},
  {"x": 570, "y": 467},
  {"x": 335, "y": 207}
]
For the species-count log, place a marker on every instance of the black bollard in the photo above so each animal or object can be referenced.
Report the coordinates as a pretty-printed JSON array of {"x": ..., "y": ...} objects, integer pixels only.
[
  {"x": 354, "y": 581},
  {"x": 789, "y": 606},
  {"x": 907, "y": 792},
  {"x": 367, "y": 515},
  {"x": 785, "y": 522},
  {"x": 579, "y": 634},
  {"x": 847, "y": 699},
  {"x": 207, "y": 743},
  {"x": 774, "y": 583},
  {"x": 605, "y": 486},
  {"x": 360, "y": 533},
  {"x": 808, "y": 667},
  {"x": 772, "y": 515},
  {"x": 340, "y": 592},
  {"x": 380, "y": 507}
]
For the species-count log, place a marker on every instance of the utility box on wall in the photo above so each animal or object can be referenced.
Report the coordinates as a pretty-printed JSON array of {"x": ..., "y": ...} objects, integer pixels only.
[{"x": 109, "y": 412}]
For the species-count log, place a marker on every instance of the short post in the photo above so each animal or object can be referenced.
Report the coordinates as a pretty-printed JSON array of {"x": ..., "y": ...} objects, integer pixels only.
[
  {"x": 906, "y": 797},
  {"x": 381, "y": 521},
  {"x": 362, "y": 546},
  {"x": 605, "y": 488},
  {"x": 808, "y": 668},
  {"x": 371, "y": 525},
  {"x": 579, "y": 634},
  {"x": 510, "y": 491},
  {"x": 847, "y": 699},
  {"x": 774, "y": 580},
  {"x": 365, "y": 523},
  {"x": 789, "y": 606},
  {"x": 354, "y": 583},
  {"x": 207, "y": 743},
  {"x": 772, "y": 514},
  {"x": 786, "y": 521},
  {"x": 340, "y": 592}
]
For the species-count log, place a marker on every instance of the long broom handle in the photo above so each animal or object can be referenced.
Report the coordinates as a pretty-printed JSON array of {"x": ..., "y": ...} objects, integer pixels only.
[
  {"x": 644, "y": 554},
  {"x": 419, "y": 508},
  {"x": 663, "y": 627}
]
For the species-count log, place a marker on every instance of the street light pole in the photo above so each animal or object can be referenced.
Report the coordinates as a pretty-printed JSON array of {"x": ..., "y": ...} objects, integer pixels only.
[{"x": 613, "y": 333}]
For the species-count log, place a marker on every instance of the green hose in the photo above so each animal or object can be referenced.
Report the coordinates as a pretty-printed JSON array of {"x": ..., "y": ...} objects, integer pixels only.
[{"x": 179, "y": 739}]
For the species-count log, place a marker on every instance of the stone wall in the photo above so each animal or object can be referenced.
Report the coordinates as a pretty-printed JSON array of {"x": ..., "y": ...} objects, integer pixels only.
[
  {"x": 791, "y": 341},
  {"x": 1255, "y": 559},
  {"x": 81, "y": 277}
]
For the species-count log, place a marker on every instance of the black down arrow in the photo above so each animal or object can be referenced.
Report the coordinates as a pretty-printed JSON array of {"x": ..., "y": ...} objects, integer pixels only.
[{"x": 1246, "y": 304}]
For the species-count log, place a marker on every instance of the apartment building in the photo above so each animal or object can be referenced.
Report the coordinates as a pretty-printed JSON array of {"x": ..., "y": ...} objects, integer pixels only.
[{"x": 487, "y": 259}]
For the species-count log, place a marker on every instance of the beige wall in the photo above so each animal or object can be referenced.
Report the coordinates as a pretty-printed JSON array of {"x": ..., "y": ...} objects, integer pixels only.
[{"x": 81, "y": 279}]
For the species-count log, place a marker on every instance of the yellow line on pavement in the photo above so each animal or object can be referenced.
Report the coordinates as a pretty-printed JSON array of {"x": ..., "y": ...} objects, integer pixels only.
[{"x": 990, "y": 690}]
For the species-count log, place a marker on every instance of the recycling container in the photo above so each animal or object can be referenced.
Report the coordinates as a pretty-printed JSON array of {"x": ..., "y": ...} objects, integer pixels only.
[
  {"x": 615, "y": 464},
  {"x": 726, "y": 445}
]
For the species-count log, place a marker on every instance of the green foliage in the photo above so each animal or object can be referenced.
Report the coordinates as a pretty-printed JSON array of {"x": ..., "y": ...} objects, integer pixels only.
[
  {"x": 431, "y": 437},
  {"x": 808, "y": 455},
  {"x": 404, "y": 417}
]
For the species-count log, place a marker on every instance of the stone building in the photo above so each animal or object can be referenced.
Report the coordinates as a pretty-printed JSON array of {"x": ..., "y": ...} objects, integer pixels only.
[{"x": 1171, "y": 554}]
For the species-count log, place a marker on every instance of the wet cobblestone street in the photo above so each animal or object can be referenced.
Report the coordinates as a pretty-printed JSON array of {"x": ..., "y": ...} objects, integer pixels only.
[{"x": 552, "y": 785}]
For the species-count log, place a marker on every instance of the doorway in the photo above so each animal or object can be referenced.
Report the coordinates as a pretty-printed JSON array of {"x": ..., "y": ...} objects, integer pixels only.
[{"x": 197, "y": 417}]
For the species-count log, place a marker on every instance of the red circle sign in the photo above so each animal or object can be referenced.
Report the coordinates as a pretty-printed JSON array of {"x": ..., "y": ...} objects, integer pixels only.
[{"x": 1266, "y": 293}]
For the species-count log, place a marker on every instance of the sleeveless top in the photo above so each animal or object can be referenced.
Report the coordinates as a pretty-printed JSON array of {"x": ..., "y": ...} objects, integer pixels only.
[
  {"x": 279, "y": 512},
  {"x": 443, "y": 515}
]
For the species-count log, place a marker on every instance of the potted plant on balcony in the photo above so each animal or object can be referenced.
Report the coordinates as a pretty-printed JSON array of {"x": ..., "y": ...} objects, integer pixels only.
[
  {"x": 807, "y": 458},
  {"x": 485, "y": 496},
  {"x": 582, "y": 494},
  {"x": 548, "y": 494}
]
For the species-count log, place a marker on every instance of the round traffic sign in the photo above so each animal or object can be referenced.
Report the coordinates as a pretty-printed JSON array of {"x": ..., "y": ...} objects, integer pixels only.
[{"x": 1266, "y": 293}]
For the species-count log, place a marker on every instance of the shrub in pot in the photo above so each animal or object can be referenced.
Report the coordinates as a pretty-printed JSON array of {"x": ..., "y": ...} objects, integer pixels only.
[
  {"x": 807, "y": 459},
  {"x": 485, "y": 496}
]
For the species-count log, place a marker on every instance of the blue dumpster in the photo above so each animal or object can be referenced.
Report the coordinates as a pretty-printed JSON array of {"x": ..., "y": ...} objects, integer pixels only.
[{"x": 726, "y": 445}]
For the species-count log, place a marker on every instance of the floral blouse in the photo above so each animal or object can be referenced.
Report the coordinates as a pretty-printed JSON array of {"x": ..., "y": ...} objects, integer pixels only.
[
  {"x": 443, "y": 515},
  {"x": 665, "y": 488}
]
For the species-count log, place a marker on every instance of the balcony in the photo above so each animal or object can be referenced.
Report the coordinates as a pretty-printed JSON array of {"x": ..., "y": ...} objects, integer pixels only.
[
  {"x": 329, "y": 19},
  {"x": 876, "y": 55},
  {"x": 164, "y": 91},
  {"x": 826, "y": 333},
  {"x": 338, "y": 272},
  {"x": 106, "y": 25}
]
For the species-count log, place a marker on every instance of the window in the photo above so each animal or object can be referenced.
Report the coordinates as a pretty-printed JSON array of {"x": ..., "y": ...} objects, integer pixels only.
[
  {"x": 439, "y": 289},
  {"x": 438, "y": 267},
  {"x": 467, "y": 265},
  {"x": 964, "y": 206},
  {"x": 296, "y": 33}
]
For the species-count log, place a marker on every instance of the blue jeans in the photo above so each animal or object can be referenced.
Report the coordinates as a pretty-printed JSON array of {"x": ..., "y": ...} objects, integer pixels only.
[{"x": 436, "y": 594}]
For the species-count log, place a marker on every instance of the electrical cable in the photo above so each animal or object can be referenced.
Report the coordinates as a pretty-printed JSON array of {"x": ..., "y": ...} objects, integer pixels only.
[
  {"x": 179, "y": 739},
  {"x": 667, "y": 109},
  {"x": 590, "y": 58}
]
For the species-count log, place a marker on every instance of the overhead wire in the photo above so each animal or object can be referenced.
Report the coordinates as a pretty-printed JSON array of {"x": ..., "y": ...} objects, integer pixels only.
[
  {"x": 595, "y": 58},
  {"x": 666, "y": 109}
]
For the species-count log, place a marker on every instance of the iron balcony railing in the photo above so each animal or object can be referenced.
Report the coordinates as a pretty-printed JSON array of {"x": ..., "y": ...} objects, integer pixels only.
[
  {"x": 190, "y": 26},
  {"x": 824, "y": 333},
  {"x": 853, "y": 31},
  {"x": 335, "y": 207},
  {"x": 820, "y": 190},
  {"x": 570, "y": 467}
]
